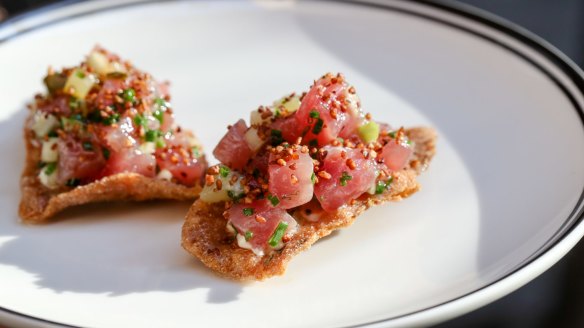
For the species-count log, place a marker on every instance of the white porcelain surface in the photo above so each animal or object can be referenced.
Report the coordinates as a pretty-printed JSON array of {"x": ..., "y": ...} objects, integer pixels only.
[{"x": 508, "y": 173}]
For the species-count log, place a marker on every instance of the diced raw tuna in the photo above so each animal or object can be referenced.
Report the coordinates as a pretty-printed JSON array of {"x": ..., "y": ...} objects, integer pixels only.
[
  {"x": 233, "y": 150},
  {"x": 291, "y": 183}
]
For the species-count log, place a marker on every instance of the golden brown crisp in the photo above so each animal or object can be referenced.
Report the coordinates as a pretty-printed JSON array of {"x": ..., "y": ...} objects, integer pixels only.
[
  {"x": 38, "y": 204},
  {"x": 204, "y": 234}
]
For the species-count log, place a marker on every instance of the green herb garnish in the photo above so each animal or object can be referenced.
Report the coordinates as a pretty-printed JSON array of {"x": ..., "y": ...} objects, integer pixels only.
[
  {"x": 233, "y": 196},
  {"x": 276, "y": 137},
  {"x": 159, "y": 115},
  {"x": 151, "y": 135},
  {"x": 224, "y": 171},
  {"x": 50, "y": 168},
  {"x": 313, "y": 178},
  {"x": 140, "y": 120},
  {"x": 314, "y": 114},
  {"x": 392, "y": 134},
  {"x": 344, "y": 178},
  {"x": 248, "y": 211},
  {"x": 278, "y": 234},
  {"x": 129, "y": 95},
  {"x": 274, "y": 200},
  {"x": 317, "y": 126},
  {"x": 248, "y": 235},
  {"x": 80, "y": 74},
  {"x": 381, "y": 186}
]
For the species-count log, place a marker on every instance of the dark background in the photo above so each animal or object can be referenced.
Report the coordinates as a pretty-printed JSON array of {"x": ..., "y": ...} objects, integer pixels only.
[{"x": 556, "y": 298}]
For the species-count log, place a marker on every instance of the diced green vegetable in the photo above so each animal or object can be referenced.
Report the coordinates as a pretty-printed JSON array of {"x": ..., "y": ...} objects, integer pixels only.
[
  {"x": 55, "y": 82},
  {"x": 248, "y": 235},
  {"x": 253, "y": 139},
  {"x": 152, "y": 135},
  {"x": 290, "y": 103},
  {"x": 314, "y": 114},
  {"x": 140, "y": 120},
  {"x": 381, "y": 186},
  {"x": 113, "y": 118},
  {"x": 369, "y": 131},
  {"x": 43, "y": 123},
  {"x": 313, "y": 178},
  {"x": 49, "y": 151},
  {"x": 276, "y": 237},
  {"x": 79, "y": 83},
  {"x": 248, "y": 211}
]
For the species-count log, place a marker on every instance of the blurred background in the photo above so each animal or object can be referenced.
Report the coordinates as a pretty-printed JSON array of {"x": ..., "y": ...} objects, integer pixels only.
[{"x": 556, "y": 298}]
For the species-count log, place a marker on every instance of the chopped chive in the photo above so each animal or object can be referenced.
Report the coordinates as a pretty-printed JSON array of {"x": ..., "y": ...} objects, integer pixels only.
[
  {"x": 313, "y": 177},
  {"x": 344, "y": 178},
  {"x": 159, "y": 115},
  {"x": 129, "y": 95},
  {"x": 234, "y": 196},
  {"x": 160, "y": 102},
  {"x": 381, "y": 186},
  {"x": 409, "y": 142},
  {"x": 50, "y": 168},
  {"x": 87, "y": 145},
  {"x": 74, "y": 103},
  {"x": 314, "y": 114},
  {"x": 151, "y": 135},
  {"x": 392, "y": 134},
  {"x": 276, "y": 137},
  {"x": 277, "y": 113},
  {"x": 318, "y": 126},
  {"x": 80, "y": 74},
  {"x": 248, "y": 211},
  {"x": 278, "y": 234},
  {"x": 224, "y": 171},
  {"x": 111, "y": 119},
  {"x": 72, "y": 182},
  {"x": 106, "y": 153},
  {"x": 140, "y": 120},
  {"x": 160, "y": 143},
  {"x": 196, "y": 152},
  {"x": 274, "y": 200},
  {"x": 248, "y": 235}
]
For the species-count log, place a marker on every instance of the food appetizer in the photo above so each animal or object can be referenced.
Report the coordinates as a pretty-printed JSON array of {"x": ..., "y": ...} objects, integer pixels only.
[
  {"x": 306, "y": 166},
  {"x": 105, "y": 131}
]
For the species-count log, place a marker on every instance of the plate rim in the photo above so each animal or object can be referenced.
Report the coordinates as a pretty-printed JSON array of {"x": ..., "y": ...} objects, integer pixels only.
[{"x": 563, "y": 240}]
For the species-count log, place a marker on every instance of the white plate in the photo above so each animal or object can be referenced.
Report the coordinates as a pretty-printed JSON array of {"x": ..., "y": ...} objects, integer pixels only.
[{"x": 500, "y": 204}]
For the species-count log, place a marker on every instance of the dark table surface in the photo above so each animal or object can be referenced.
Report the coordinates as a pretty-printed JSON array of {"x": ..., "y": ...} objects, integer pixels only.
[{"x": 556, "y": 298}]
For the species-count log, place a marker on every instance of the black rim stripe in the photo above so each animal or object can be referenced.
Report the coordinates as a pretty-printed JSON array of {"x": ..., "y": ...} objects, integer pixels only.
[{"x": 503, "y": 26}]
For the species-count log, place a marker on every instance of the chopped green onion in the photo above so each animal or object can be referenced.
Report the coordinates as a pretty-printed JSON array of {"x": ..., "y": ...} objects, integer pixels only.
[
  {"x": 74, "y": 103},
  {"x": 317, "y": 126},
  {"x": 276, "y": 137},
  {"x": 233, "y": 196},
  {"x": 72, "y": 182},
  {"x": 50, "y": 168},
  {"x": 381, "y": 186},
  {"x": 344, "y": 178},
  {"x": 224, "y": 171},
  {"x": 392, "y": 134},
  {"x": 106, "y": 153},
  {"x": 80, "y": 74},
  {"x": 248, "y": 211},
  {"x": 160, "y": 102},
  {"x": 129, "y": 95},
  {"x": 160, "y": 143},
  {"x": 313, "y": 178},
  {"x": 248, "y": 235},
  {"x": 314, "y": 114},
  {"x": 278, "y": 234},
  {"x": 274, "y": 200},
  {"x": 151, "y": 135},
  {"x": 196, "y": 152},
  {"x": 111, "y": 119},
  {"x": 87, "y": 145},
  {"x": 159, "y": 115},
  {"x": 140, "y": 120},
  {"x": 277, "y": 113}
]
